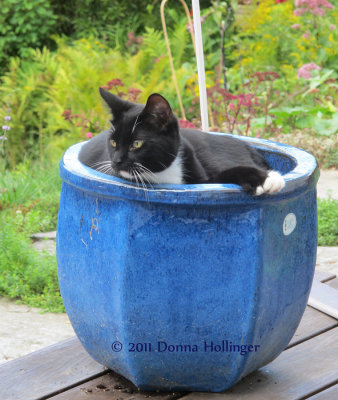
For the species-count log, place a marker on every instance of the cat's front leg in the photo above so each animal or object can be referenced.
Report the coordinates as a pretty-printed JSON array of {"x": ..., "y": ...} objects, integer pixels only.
[
  {"x": 255, "y": 181},
  {"x": 273, "y": 183}
]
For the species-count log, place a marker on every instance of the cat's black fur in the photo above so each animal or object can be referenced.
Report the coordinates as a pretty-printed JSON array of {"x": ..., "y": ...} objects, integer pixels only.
[{"x": 196, "y": 156}]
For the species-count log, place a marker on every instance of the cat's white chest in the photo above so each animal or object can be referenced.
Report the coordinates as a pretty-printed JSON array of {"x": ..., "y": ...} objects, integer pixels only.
[{"x": 173, "y": 174}]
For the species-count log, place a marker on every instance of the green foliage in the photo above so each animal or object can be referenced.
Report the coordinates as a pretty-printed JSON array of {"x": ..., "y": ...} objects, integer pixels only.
[
  {"x": 29, "y": 195},
  {"x": 327, "y": 222},
  {"x": 320, "y": 118},
  {"x": 24, "y": 89},
  {"x": 29, "y": 202},
  {"x": 271, "y": 36},
  {"x": 40, "y": 88},
  {"x": 24, "y": 24},
  {"x": 24, "y": 274},
  {"x": 111, "y": 20}
]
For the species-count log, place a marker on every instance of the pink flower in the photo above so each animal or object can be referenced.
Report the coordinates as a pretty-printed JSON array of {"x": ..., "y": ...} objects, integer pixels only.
[
  {"x": 280, "y": 1},
  {"x": 295, "y": 26},
  {"x": 116, "y": 82},
  {"x": 315, "y": 7},
  {"x": 305, "y": 70},
  {"x": 232, "y": 106},
  {"x": 306, "y": 35},
  {"x": 133, "y": 94},
  {"x": 245, "y": 99},
  {"x": 183, "y": 123},
  {"x": 298, "y": 12},
  {"x": 332, "y": 27},
  {"x": 89, "y": 135}
]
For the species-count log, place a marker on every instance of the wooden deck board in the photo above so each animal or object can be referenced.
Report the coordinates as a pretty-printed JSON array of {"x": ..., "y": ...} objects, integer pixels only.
[
  {"x": 328, "y": 394},
  {"x": 324, "y": 298},
  {"x": 298, "y": 372},
  {"x": 47, "y": 371},
  {"x": 112, "y": 387},
  {"x": 65, "y": 369},
  {"x": 313, "y": 323},
  {"x": 333, "y": 283},
  {"x": 323, "y": 276}
]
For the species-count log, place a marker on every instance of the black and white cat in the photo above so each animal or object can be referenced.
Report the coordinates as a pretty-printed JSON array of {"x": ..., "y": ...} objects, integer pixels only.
[{"x": 146, "y": 145}]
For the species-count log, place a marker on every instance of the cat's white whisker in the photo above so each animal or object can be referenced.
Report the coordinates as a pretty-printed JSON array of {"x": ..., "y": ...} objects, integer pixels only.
[
  {"x": 145, "y": 175},
  {"x": 105, "y": 168},
  {"x": 142, "y": 183},
  {"x": 134, "y": 176},
  {"x": 144, "y": 169},
  {"x": 100, "y": 164}
]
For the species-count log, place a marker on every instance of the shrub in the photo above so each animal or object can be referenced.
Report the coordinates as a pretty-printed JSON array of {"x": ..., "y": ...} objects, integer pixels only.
[
  {"x": 327, "y": 222},
  {"x": 40, "y": 88},
  {"x": 110, "y": 20},
  {"x": 270, "y": 35},
  {"x": 25, "y": 274},
  {"x": 29, "y": 202},
  {"x": 21, "y": 27}
]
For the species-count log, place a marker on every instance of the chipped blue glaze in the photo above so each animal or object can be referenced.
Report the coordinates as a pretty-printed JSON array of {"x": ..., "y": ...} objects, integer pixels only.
[{"x": 186, "y": 265}]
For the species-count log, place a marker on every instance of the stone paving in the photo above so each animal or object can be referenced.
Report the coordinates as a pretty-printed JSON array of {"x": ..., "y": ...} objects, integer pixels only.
[
  {"x": 327, "y": 185},
  {"x": 24, "y": 329}
]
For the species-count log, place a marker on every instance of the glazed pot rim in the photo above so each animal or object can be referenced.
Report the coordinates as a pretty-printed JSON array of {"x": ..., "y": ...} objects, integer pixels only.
[{"x": 301, "y": 178}]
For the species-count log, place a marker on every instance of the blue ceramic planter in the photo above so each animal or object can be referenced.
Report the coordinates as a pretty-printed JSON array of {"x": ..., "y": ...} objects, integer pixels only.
[{"x": 186, "y": 287}]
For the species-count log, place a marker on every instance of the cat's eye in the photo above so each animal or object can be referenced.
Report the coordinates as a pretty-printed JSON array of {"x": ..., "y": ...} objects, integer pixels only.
[
  {"x": 113, "y": 143},
  {"x": 137, "y": 144}
]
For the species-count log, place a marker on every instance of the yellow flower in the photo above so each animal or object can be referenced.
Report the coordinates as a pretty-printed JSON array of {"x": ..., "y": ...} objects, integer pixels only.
[{"x": 295, "y": 55}]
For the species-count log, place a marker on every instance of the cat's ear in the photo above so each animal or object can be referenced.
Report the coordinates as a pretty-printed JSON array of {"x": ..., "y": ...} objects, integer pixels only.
[
  {"x": 158, "y": 109},
  {"x": 115, "y": 104}
]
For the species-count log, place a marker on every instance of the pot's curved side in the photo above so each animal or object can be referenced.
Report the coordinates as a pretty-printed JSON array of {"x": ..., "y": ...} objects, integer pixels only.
[
  {"x": 288, "y": 256},
  {"x": 193, "y": 288}
]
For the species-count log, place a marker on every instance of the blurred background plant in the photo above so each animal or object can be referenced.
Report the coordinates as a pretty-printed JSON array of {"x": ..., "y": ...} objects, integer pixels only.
[{"x": 271, "y": 71}]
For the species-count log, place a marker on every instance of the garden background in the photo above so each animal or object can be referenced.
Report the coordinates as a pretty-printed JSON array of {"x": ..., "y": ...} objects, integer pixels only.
[{"x": 271, "y": 70}]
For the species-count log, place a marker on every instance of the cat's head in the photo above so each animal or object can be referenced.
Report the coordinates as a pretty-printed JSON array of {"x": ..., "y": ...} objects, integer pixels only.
[{"x": 143, "y": 138}]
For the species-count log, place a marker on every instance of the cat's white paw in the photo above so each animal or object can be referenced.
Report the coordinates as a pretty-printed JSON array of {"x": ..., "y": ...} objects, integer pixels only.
[
  {"x": 272, "y": 184},
  {"x": 259, "y": 190}
]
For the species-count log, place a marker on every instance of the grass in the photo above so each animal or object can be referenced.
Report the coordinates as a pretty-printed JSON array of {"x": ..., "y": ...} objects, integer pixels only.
[
  {"x": 29, "y": 202},
  {"x": 25, "y": 274},
  {"x": 327, "y": 222},
  {"x": 29, "y": 198}
]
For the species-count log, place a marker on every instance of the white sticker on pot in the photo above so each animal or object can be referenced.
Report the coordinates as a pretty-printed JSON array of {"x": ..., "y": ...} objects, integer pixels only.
[{"x": 289, "y": 224}]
